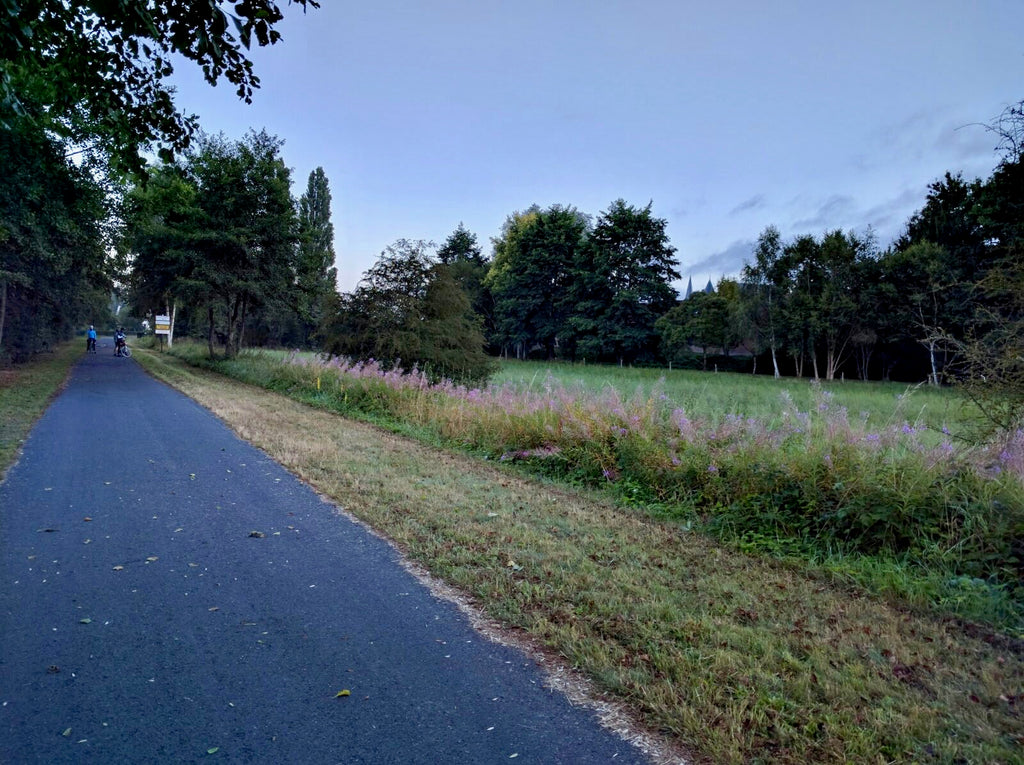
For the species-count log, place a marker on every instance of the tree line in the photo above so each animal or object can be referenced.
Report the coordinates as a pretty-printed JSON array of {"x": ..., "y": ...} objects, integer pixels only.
[
  {"x": 84, "y": 102},
  {"x": 211, "y": 235},
  {"x": 942, "y": 302},
  {"x": 215, "y": 240}
]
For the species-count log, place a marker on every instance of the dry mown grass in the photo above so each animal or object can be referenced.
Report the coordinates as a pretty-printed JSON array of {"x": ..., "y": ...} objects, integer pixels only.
[{"x": 736, "y": 658}]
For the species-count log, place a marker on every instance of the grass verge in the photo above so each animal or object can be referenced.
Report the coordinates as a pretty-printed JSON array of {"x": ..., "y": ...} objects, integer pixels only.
[
  {"x": 890, "y": 506},
  {"x": 738, "y": 658},
  {"x": 25, "y": 391}
]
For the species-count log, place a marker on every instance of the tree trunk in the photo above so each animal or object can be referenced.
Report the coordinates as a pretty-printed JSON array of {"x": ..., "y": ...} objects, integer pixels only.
[
  {"x": 775, "y": 363},
  {"x": 170, "y": 313},
  {"x": 3, "y": 309},
  {"x": 241, "y": 324},
  {"x": 209, "y": 337},
  {"x": 229, "y": 341},
  {"x": 935, "y": 369},
  {"x": 814, "y": 364},
  {"x": 864, "y": 354}
]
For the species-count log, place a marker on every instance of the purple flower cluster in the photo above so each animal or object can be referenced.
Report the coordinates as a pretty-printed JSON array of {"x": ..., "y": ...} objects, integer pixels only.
[{"x": 556, "y": 419}]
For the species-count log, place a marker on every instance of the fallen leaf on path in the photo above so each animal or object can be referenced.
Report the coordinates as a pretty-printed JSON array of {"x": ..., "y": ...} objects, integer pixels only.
[
  {"x": 118, "y": 568},
  {"x": 345, "y": 692},
  {"x": 53, "y": 669},
  {"x": 46, "y": 531},
  {"x": 213, "y": 608},
  {"x": 213, "y": 750},
  {"x": 66, "y": 733},
  {"x": 257, "y": 534},
  {"x": 193, "y": 565},
  {"x": 86, "y": 620},
  {"x": 87, "y": 518},
  {"x": 152, "y": 558}
]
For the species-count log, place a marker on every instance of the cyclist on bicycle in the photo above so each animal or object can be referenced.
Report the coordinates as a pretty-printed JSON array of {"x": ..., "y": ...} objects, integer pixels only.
[
  {"x": 90, "y": 340},
  {"x": 119, "y": 341}
]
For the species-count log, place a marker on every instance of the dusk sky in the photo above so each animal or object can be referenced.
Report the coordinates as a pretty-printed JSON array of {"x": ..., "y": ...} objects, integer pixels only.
[{"x": 728, "y": 116}]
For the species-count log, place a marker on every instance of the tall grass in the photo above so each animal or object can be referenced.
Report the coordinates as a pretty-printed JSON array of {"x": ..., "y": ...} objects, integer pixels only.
[{"x": 885, "y": 498}]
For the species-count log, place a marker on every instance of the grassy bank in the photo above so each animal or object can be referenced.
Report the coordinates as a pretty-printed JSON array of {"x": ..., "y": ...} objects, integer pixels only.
[
  {"x": 892, "y": 505},
  {"x": 739, "y": 658},
  {"x": 25, "y": 391}
]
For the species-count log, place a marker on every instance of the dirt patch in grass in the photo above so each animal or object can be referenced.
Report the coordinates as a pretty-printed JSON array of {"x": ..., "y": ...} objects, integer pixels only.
[{"x": 734, "y": 658}]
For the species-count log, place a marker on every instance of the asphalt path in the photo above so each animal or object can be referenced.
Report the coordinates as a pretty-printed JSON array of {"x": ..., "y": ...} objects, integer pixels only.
[{"x": 168, "y": 593}]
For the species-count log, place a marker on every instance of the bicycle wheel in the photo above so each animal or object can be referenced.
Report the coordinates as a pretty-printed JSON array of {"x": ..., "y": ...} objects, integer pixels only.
[{"x": 126, "y": 352}]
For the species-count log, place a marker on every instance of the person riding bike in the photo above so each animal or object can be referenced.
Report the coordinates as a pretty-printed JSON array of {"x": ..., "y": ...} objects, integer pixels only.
[
  {"x": 90, "y": 340},
  {"x": 119, "y": 341}
]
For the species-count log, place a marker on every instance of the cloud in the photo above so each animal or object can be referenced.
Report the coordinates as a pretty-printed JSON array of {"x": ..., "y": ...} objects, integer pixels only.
[
  {"x": 756, "y": 202},
  {"x": 888, "y": 218},
  {"x": 685, "y": 207},
  {"x": 835, "y": 212},
  {"x": 927, "y": 135},
  {"x": 727, "y": 261}
]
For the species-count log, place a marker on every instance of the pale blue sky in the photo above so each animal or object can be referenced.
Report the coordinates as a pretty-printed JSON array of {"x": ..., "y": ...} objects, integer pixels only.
[{"x": 729, "y": 116}]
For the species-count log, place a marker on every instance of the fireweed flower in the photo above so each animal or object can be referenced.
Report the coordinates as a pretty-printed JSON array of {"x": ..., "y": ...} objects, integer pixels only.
[{"x": 534, "y": 423}]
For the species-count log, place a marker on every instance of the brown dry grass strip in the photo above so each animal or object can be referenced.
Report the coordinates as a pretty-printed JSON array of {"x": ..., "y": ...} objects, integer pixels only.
[{"x": 735, "y": 658}]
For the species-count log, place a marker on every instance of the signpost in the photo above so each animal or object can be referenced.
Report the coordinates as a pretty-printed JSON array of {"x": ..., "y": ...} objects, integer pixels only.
[{"x": 163, "y": 327}]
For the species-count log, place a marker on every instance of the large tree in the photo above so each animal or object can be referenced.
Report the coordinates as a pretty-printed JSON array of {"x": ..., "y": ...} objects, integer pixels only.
[
  {"x": 96, "y": 73},
  {"x": 701, "y": 320},
  {"x": 218, "y": 230},
  {"x": 534, "y": 262},
  {"x": 994, "y": 353},
  {"x": 767, "y": 282},
  {"x": 408, "y": 311},
  {"x": 52, "y": 243},
  {"x": 467, "y": 265},
  {"x": 621, "y": 285},
  {"x": 317, "y": 277}
]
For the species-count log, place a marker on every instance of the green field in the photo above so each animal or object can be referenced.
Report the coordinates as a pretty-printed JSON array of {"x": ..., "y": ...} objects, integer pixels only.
[{"x": 713, "y": 395}]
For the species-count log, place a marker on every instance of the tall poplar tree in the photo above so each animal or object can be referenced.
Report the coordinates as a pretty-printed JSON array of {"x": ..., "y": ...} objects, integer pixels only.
[{"x": 315, "y": 271}]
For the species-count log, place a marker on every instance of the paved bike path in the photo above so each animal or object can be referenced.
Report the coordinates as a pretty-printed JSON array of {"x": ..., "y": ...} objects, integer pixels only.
[{"x": 141, "y": 622}]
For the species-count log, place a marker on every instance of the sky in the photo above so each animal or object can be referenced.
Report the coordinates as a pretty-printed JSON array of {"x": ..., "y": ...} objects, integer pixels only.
[{"x": 727, "y": 116}]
